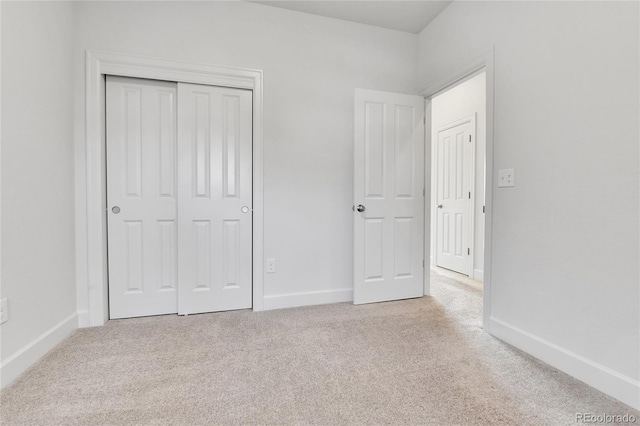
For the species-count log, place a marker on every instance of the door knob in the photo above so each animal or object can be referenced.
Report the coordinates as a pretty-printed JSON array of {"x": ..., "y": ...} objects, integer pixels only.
[
  {"x": 360, "y": 208},
  {"x": 115, "y": 209},
  {"x": 439, "y": 206}
]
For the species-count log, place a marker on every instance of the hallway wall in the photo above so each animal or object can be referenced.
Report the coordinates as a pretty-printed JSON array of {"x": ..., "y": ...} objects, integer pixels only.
[{"x": 564, "y": 278}]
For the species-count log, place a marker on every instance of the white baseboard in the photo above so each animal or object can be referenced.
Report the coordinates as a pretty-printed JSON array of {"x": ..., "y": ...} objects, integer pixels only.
[
  {"x": 478, "y": 275},
  {"x": 605, "y": 379},
  {"x": 292, "y": 300},
  {"x": 19, "y": 362},
  {"x": 83, "y": 319}
]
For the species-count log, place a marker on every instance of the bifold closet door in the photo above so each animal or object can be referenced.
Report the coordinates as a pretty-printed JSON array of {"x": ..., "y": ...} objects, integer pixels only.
[
  {"x": 214, "y": 198},
  {"x": 141, "y": 197}
]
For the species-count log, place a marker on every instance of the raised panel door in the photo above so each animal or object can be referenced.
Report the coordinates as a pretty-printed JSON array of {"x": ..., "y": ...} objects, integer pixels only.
[
  {"x": 389, "y": 179},
  {"x": 215, "y": 198},
  {"x": 141, "y": 215},
  {"x": 453, "y": 197}
]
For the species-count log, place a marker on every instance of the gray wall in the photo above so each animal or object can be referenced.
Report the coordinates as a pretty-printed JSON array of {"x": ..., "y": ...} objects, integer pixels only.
[
  {"x": 565, "y": 239},
  {"x": 311, "y": 67},
  {"x": 38, "y": 230}
]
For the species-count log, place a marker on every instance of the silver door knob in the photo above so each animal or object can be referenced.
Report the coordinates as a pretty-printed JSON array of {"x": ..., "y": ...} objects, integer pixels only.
[
  {"x": 360, "y": 208},
  {"x": 439, "y": 206},
  {"x": 115, "y": 209}
]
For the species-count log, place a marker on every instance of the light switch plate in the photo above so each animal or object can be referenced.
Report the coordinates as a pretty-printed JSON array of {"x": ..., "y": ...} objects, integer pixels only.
[
  {"x": 271, "y": 266},
  {"x": 506, "y": 177}
]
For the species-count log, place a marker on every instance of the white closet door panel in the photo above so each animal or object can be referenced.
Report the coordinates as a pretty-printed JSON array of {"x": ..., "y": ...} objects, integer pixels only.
[
  {"x": 141, "y": 183},
  {"x": 389, "y": 170},
  {"x": 215, "y": 198}
]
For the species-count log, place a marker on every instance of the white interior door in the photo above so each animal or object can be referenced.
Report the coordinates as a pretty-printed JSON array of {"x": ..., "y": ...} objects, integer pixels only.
[
  {"x": 453, "y": 197},
  {"x": 141, "y": 197},
  {"x": 389, "y": 196},
  {"x": 215, "y": 198}
]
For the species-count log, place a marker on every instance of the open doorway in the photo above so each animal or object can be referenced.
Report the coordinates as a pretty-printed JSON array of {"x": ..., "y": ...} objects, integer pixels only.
[{"x": 458, "y": 178}]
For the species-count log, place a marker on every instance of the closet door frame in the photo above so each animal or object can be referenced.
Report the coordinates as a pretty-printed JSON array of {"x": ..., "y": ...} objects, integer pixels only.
[{"x": 91, "y": 235}]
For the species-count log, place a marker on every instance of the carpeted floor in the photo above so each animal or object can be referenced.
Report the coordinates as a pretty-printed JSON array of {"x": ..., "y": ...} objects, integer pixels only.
[{"x": 420, "y": 361}]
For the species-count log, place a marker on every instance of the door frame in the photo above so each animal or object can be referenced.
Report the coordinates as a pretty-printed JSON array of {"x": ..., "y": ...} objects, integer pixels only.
[
  {"x": 484, "y": 62},
  {"x": 91, "y": 236},
  {"x": 472, "y": 181}
]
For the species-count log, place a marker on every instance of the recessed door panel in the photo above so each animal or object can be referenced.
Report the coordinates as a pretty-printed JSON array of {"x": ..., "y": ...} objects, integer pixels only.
[
  {"x": 133, "y": 249},
  {"x": 201, "y": 141},
  {"x": 202, "y": 254},
  {"x": 402, "y": 238},
  {"x": 404, "y": 154},
  {"x": 132, "y": 118},
  {"x": 231, "y": 253},
  {"x": 167, "y": 142},
  {"x": 373, "y": 248},
  {"x": 168, "y": 257},
  {"x": 374, "y": 149},
  {"x": 230, "y": 142}
]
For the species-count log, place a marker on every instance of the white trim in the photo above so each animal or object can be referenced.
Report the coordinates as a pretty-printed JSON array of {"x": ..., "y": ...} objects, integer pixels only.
[
  {"x": 91, "y": 228},
  {"x": 309, "y": 298},
  {"x": 83, "y": 319},
  {"x": 590, "y": 372},
  {"x": 459, "y": 76},
  {"x": 486, "y": 63},
  {"x": 427, "y": 251},
  {"x": 24, "y": 358},
  {"x": 478, "y": 275}
]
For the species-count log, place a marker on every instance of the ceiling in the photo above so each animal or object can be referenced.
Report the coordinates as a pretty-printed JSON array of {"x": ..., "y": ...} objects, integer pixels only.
[{"x": 407, "y": 16}]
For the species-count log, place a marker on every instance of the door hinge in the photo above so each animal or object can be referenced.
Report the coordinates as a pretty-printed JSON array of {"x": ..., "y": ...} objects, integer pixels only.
[
  {"x": 424, "y": 120},
  {"x": 469, "y": 138},
  {"x": 469, "y": 195},
  {"x": 468, "y": 251},
  {"x": 423, "y": 192},
  {"x": 482, "y": 209},
  {"x": 422, "y": 263}
]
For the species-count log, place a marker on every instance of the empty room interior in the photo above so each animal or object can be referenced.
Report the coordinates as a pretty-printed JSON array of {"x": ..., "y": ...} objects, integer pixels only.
[{"x": 320, "y": 212}]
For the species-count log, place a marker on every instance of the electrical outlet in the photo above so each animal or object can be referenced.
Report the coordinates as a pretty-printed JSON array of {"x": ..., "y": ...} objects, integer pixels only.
[
  {"x": 271, "y": 266},
  {"x": 4, "y": 311},
  {"x": 506, "y": 177}
]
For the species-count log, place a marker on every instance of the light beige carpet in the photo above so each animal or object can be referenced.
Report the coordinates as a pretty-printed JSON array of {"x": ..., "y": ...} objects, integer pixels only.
[{"x": 420, "y": 361}]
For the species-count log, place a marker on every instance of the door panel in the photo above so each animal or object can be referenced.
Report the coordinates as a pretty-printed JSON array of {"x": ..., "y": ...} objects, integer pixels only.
[
  {"x": 215, "y": 198},
  {"x": 141, "y": 144},
  {"x": 453, "y": 196},
  {"x": 389, "y": 182}
]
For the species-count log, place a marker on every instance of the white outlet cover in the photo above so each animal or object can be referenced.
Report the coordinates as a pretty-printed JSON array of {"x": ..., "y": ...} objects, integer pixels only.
[{"x": 506, "y": 178}]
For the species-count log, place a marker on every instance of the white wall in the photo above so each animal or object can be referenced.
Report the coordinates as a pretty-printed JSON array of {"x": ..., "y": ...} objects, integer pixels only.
[
  {"x": 565, "y": 278},
  {"x": 464, "y": 100},
  {"x": 38, "y": 253},
  {"x": 311, "y": 67}
]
